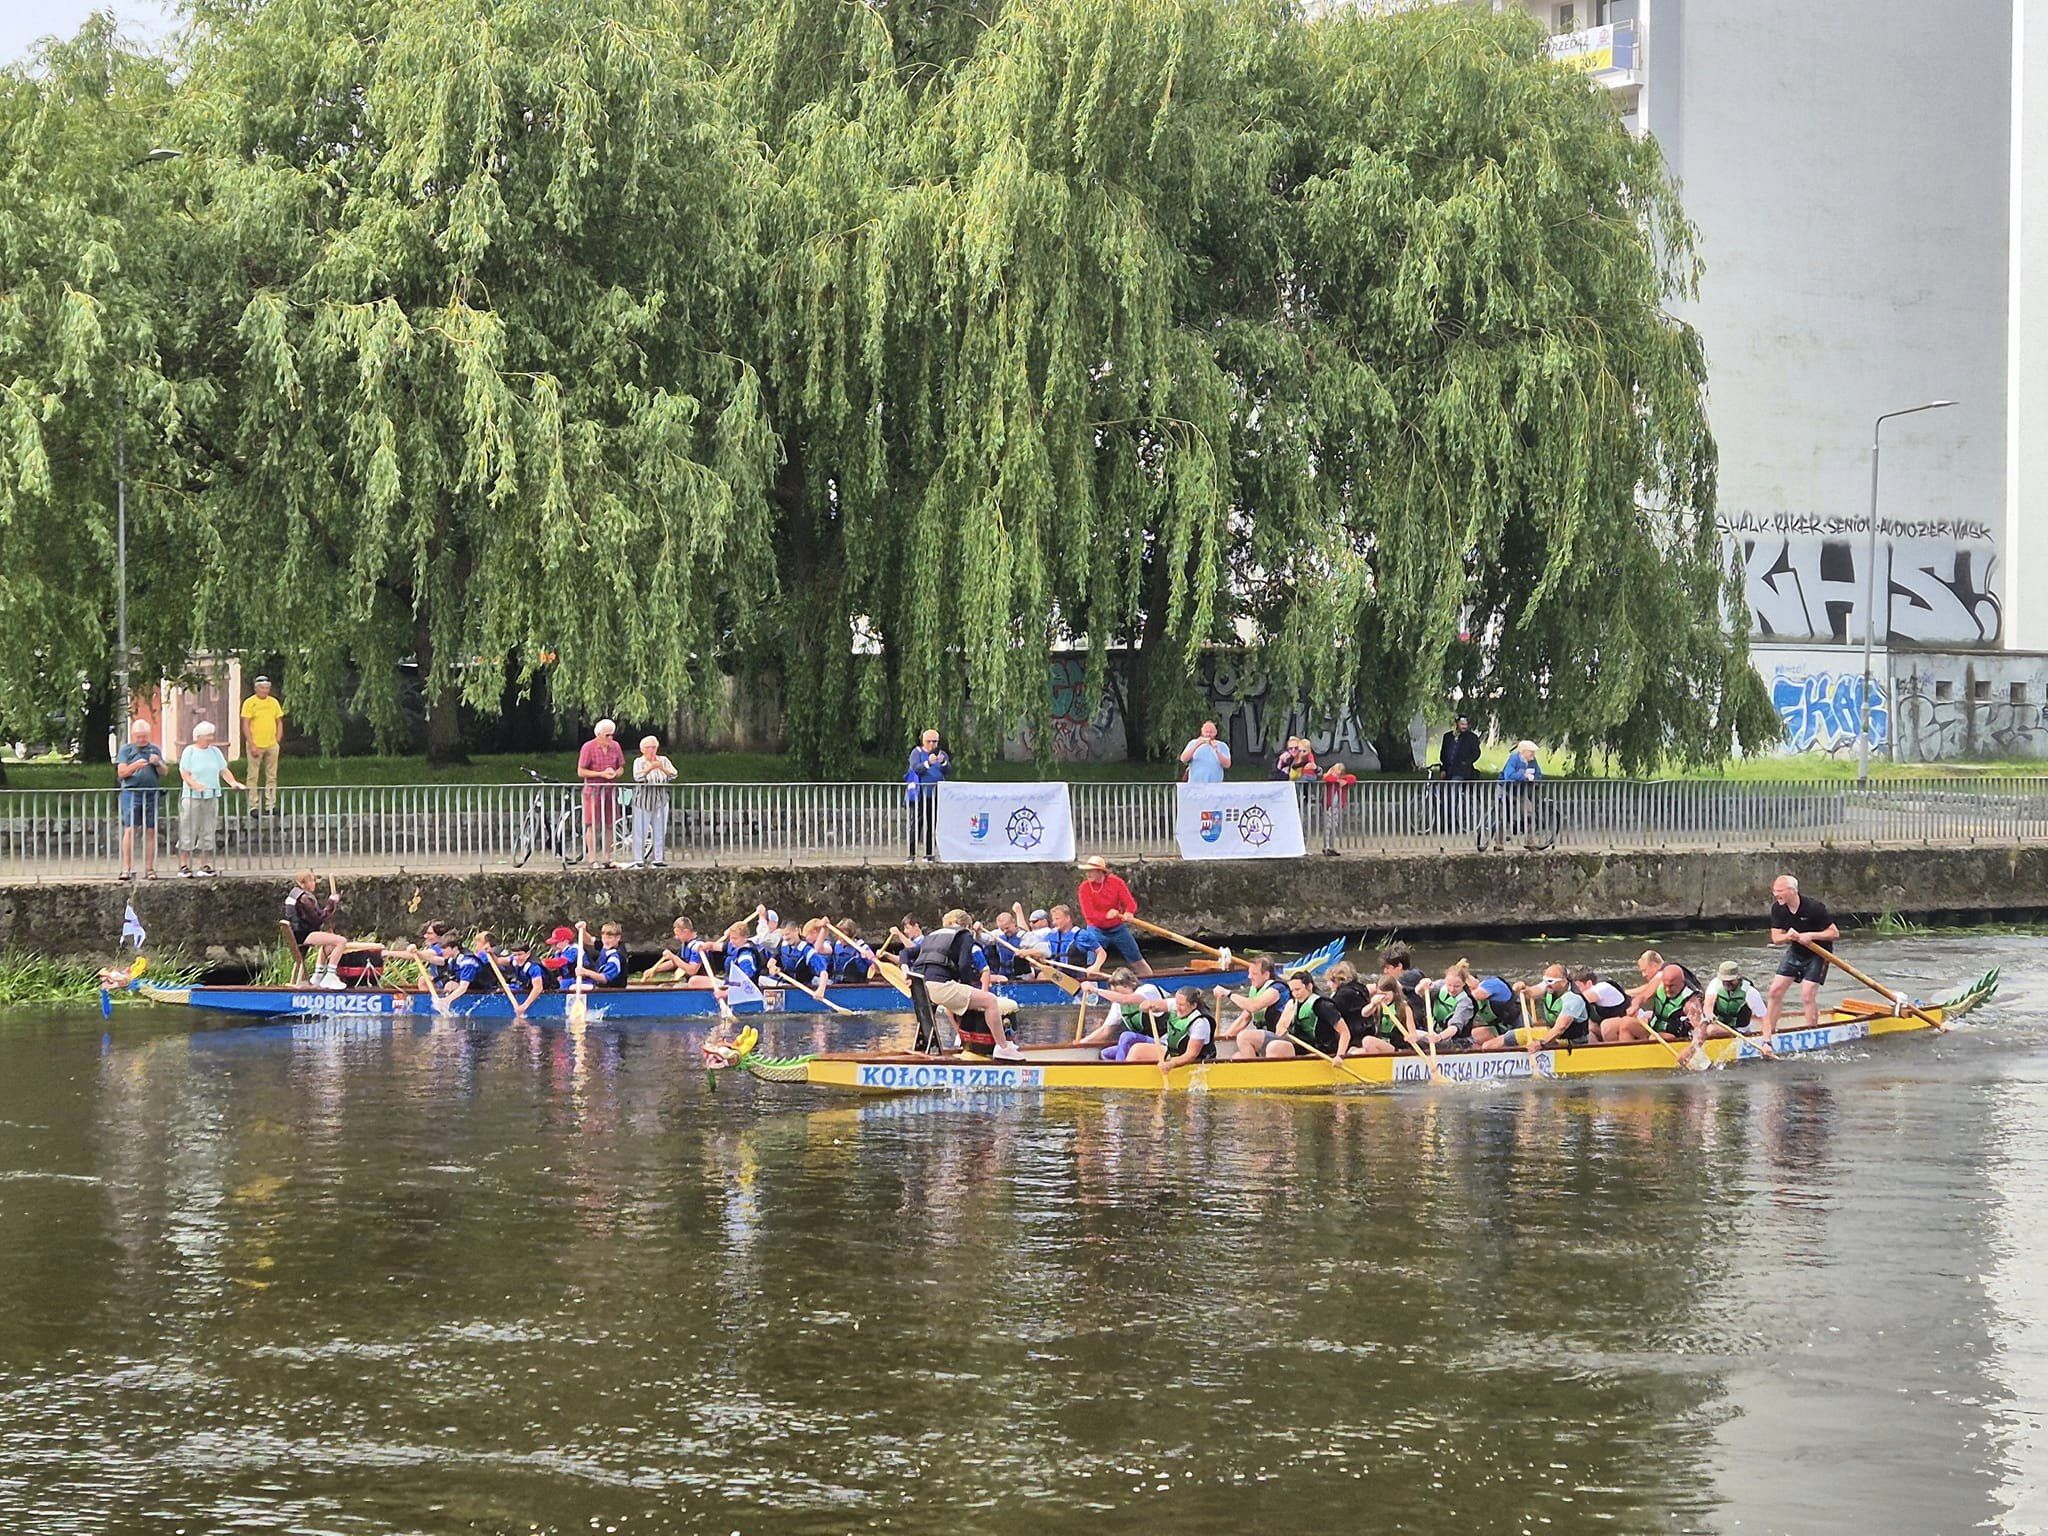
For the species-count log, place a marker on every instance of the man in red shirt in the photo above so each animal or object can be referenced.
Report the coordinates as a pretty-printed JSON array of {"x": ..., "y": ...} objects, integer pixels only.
[{"x": 1105, "y": 902}]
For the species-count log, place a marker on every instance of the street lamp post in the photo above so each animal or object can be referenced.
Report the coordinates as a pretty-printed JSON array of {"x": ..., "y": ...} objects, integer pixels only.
[
  {"x": 126, "y": 700},
  {"x": 1870, "y": 587}
]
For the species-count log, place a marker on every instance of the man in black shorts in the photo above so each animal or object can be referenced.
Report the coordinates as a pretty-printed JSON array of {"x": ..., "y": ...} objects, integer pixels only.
[{"x": 1795, "y": 917}]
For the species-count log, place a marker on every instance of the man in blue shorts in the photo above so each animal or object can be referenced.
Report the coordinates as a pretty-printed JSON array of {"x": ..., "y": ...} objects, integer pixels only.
[
  {"x": 1796, "y": 918},
  {"x": 140, "y": 769},
  {"x": 1106, "y": 903}
]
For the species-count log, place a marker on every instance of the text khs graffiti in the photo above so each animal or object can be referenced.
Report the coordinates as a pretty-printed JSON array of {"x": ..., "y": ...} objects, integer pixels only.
[{"x": 1805, "y": 585}]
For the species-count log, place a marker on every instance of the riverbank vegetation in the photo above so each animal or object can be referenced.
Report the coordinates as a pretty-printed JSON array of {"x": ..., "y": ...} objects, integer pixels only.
[
  {"x": 32, "y": 978},
  {"x": 653, "y": 356}
]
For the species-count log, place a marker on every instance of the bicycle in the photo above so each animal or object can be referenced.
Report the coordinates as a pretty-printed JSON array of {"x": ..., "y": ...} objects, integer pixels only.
[
  {"x": 560, "y": 832},
  {"x": 1450, "y": 807},
  {"x": 1522, "y": 810}
]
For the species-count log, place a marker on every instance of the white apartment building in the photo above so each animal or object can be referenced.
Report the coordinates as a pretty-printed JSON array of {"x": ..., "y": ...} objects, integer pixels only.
[{"x": 1870, "y": 183}]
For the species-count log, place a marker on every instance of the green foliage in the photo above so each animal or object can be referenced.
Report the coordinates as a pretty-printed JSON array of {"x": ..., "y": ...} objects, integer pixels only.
[
  {"x": 27, "y": 977},
  {"x": 639, "y": 340}
]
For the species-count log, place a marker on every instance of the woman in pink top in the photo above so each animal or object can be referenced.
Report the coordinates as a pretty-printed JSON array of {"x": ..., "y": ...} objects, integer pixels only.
[{"x": 599, "y": 765}]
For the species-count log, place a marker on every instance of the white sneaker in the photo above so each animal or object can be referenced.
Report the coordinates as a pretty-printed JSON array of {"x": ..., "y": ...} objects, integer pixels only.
[
  {"x": 1008, "y": 1051},
  {"x": 329, "y": 981}
]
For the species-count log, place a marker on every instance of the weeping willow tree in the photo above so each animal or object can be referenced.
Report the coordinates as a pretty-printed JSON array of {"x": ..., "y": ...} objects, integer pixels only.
[
  {"x": 479, "y": 407},
  {"x": 632, "y": 340},
  {"x": 88, "y": 274},
  {"x": 1470, "y": 414}
]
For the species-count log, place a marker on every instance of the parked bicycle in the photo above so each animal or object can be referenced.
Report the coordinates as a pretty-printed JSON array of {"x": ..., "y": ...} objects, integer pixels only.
[
  {"x": 551, "y": 822},
  {"x": 1523, "y": 811}
]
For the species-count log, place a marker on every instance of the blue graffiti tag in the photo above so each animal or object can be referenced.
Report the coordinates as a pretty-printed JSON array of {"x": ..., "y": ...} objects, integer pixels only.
[{"x": 1820, "y": 710}]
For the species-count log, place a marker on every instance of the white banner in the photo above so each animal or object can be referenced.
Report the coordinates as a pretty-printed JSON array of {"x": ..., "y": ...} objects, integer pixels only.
[
  {"x": 1005, "y": 823},
  {"x": 1238, "y": 821}
]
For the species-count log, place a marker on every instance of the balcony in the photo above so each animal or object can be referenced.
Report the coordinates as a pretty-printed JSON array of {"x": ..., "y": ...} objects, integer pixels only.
[{"x": 1609, "y": 54}]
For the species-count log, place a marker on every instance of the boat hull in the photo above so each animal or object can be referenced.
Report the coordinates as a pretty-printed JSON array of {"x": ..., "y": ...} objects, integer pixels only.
[
  {"x": 1053, "y": 1069},
  {"x": 610, "y": 1004}
]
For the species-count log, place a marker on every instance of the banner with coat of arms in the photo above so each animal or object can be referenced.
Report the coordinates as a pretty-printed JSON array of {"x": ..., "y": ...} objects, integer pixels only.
[
  {"x": 1238, "y": 821},
  {"x": 1005, "y": 823}
]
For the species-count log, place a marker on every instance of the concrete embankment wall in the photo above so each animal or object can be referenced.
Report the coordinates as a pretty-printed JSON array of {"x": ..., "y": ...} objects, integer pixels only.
[{"x": 234, "y": 919}]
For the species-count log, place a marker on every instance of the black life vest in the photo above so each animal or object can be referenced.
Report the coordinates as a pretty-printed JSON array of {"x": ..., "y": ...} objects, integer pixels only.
[{"x": 946, "y": 955}]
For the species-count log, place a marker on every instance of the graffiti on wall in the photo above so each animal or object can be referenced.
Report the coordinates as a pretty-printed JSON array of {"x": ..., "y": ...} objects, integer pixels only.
[
  {"x": 1083, "y": 729},
  {"x": 1821, "y": 710},
  {"x": 1804, "y": 578},
  {"x": 1251, "y": 715},
  {"x": 1950, "y": 711}
]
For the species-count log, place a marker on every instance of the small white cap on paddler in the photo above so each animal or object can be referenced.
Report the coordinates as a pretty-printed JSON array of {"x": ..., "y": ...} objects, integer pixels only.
[
  {"x": 1040, "y": 915},
  {"x": 1728, "y": 971}
]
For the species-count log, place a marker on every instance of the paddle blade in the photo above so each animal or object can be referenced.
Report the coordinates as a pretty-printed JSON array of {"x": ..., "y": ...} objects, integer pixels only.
[
  {"x": 1317, "y": 959},
  {"x": 106, "y": 1004}
]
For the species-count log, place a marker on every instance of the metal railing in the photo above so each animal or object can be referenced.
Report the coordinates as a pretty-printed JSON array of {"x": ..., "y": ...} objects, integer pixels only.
[{"x": 67, "y": 834}]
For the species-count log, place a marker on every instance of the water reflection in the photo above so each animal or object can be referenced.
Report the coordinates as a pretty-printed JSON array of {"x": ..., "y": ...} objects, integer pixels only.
[{"x": 443, "y": 1276}]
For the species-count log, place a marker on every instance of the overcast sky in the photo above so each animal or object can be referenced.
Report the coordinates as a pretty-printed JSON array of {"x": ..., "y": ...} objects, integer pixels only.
[{"x": 22, "y": 22}]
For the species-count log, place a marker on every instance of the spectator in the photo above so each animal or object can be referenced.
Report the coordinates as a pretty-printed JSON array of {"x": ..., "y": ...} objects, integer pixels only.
[
  {"x": 921, "y": 779},
  {"x": 652, "y": 775},
  {"x": 1207, "y": 758},
  {"x": 1337, "y": 782},
  {"x": 202, "y": 768},
  {"x": 1521, "y": 768},
  {"x": 139, "y": 769},
  {"x": 1297, "y": 761},
  {"x": 599, "y": 765},
  {"x": 262, "y": 732},
  {"x": 1458, "y": 757}
]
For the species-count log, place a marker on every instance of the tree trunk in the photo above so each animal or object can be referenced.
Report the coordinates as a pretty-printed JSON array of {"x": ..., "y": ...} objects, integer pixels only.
[
  {"x": 1141, "y": 695},
  {"x": 1396, "y": 751},
  {"x": 443, "y": 703}
]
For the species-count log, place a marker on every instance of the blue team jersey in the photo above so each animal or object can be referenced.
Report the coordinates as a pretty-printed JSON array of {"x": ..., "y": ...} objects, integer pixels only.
[
  {"x": 744, "y": 960},
  {"x": 849, "y": 964},
  {"x": 521, "y": 974},
  {"x": 793, "y": 958},
  {"x": 572, "y": 962},
  {"x": 469, "y": 965},
  {"x": 611, "y": 964},
  {"x": 1074, "y": 947}
]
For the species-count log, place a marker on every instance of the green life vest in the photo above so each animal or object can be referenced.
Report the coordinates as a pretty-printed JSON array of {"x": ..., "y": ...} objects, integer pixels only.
[
  {"x": 1728, "y": 1005},
  {"x": 1178, "y": 1029},
  {"x": 1665, "y": 1010},
  {"x": 1384, "y": 1018},
  {"x": 1442, "y": 1005},
  {"x": 1551, "y": 1006}
]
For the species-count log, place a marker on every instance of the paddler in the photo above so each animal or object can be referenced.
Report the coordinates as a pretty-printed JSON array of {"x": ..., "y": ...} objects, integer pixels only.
[
  {"x": 1556, "y": 1011},
  {"x": 312, "y": 924},
  {"x": 1310, "y": 1024},
  {"x": 522, "y": 972},
  {"x": 1728, "y": 1008},
  {"x": 1354, "y": 1002},
  {"x": 1447, "y": 1007},
  {"x": 955, "y": 980},
  {"x": 1106, "y": 902},
  {"x": 1130, "y": 1014},
  {"x": 682, "y": 957},
  {"x": 1496, "y": 1007},
  {"x": 1389, "y": 1017},
  {"x": 1670, "y": 1010},
  {"x": 1189, "y": 1035},
  {"x": 1604, "y": 1000},
  {"x": 472, "y": 968},
  {"x": 1396, "y": 962},
  {"x": 1258, "y": 1005},
  {"x": 1129, "y": 1019},
  {"x": 852, "y": 960},
  {"x": 606, "y": 967}
]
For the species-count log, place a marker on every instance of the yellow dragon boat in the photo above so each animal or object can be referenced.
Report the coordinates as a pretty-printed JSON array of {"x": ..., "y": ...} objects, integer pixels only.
[{"x": 1057, "y": 1068}]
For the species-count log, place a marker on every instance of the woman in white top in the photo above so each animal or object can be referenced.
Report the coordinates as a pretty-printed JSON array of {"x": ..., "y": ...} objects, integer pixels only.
[{"x": 652, "y": 775}]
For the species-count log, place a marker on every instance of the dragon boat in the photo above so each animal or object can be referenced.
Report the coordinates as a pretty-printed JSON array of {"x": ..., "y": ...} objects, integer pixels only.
[
  {"x": 1054, "y": 1068},
  {"x": 634, "y": 1001}
]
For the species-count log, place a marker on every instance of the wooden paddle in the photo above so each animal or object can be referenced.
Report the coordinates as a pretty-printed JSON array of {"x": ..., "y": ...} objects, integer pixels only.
[
  {"x": 1052, "y": 969},
  {"x": 1179, "y": 938},
  {"x": 1876, "y": 986},
  {"x": 817, "y": 996},
  {"x": 889, "y": 973},
  {"x": 518, "y": 1012},
  {"x": 578, "y": 1008}
]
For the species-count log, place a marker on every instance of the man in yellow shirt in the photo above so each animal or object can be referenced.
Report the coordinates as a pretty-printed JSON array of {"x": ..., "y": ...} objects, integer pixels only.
[{"x": 262, "y": 730}]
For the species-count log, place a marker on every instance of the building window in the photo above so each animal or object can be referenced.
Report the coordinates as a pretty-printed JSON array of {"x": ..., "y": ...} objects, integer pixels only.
[
  {"x": 1567, "y": 18},
  {"x": 1944, "y": 689},
  {"x": 1980, "y": 692},
  {"x": 2016, "y": 693}
]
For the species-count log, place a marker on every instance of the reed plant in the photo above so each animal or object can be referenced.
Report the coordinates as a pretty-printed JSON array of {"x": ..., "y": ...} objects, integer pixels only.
[{"x": 27, "y": 977}]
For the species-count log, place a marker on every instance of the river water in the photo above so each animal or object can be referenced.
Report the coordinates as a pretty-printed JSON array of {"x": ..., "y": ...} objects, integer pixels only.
[{"x": 440, "y": 1278}]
